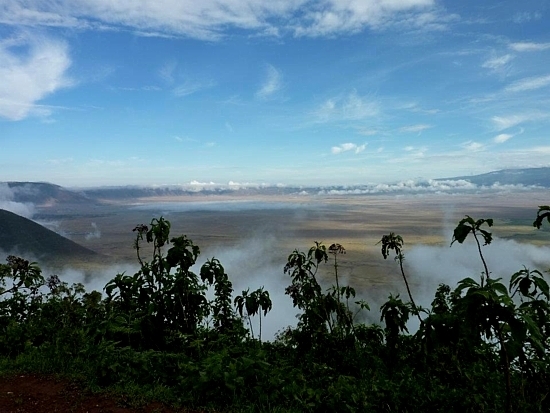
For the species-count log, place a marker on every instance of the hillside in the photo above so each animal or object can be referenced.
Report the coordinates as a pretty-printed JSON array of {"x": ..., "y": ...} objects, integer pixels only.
[
  {"x": 527, "y": 177},
  {"x": 42, "y": 193},
  {"x": 22, "y": 236}
]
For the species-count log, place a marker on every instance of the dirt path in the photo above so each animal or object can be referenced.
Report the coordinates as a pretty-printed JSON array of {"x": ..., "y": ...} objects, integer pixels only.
[{"x": 45, "y": 394}]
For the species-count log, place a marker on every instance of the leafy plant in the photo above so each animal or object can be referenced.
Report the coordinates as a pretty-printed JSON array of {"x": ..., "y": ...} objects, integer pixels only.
[
  {"x": 395, "y": 242},
  {"x": 162, "y": 331},
  {"x": 542, "y": 214},
  {"x": 254, "y": 302},
  {"x": 469, "y": 225}
]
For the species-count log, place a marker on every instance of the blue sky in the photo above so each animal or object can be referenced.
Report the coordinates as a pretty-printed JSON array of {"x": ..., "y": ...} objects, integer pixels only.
[{"x": 296, "y": 92}]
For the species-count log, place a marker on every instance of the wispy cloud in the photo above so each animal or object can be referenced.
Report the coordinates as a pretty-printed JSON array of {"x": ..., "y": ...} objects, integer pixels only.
[
  {"x": 184, "y": 139},
  {"x": 31, "y": 68},
  {"x": 503, "y": 137},
  {"x": 348, "y": 107},
  {"x": 190, "y": 87},
  {"x": 415, "y": 128},
  {"x": 414, "y": 154},
  {"x": 473, "y": 146},
  {"x": 525, "y": 17},
  {"x": 530, "y": 83},
  {"x": 146, "y": 88},
  {"x": 166, "y": 72},
  {"x": 529, "y": 46},
  {"x": 367, "y": 132},
  {"x": 497, "y": 62},
  {"x": 272, "y": 83},
  {"x": 353, "y": 16},
  {"x": 208, "y": 19},
  {"x": 414, "y": 107},
  {"x": 346, "y": 147},
  {"x": 505, "y": 122}
]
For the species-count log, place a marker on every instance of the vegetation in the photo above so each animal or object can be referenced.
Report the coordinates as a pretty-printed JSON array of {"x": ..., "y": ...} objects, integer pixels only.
[{"x": 180, "y": 337}]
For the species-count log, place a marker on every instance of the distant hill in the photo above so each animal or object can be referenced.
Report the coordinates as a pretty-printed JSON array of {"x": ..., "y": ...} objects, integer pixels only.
[
  {"x": 42, "y": 193},
  {"x": 46, "y": 194},
  {"x": 528, "y": 177},
  {"x": 22, "y": 236}
]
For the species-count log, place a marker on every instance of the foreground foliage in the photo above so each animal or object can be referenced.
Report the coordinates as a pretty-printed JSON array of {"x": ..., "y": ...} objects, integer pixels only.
[{"x": 169, "y": 333}]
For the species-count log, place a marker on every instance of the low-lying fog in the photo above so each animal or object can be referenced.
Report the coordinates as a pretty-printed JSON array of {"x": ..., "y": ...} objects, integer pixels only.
[
  {"x": 252, "y": 262},
  {"x": 251, "y": 265}
]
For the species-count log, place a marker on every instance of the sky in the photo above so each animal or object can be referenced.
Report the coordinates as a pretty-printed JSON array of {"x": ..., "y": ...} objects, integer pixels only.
[{"x": 292, "y": 92}]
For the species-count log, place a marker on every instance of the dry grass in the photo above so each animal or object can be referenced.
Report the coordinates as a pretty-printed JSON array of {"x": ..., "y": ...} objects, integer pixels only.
[{"x": 357, "y": 223}]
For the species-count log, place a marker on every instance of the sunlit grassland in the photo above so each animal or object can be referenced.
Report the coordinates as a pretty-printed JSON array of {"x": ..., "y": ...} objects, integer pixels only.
[{"x": 356, "y": 222}]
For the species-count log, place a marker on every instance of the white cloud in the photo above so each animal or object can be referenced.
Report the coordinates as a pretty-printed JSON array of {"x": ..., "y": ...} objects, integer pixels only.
[
  {"x": 530, "y": 83},
  {"x": 94, "y": 234},
  {"x": 350, "y": 107},
  {"x": 166, "y": 72},
  {"x": 505, "y": 122},
  {"x": 356, "y": 107},
  {"x": 30, "y": 76},
  {"x": 190, "y": 87},
  {"x": 503, "y": 137},
  {"x": 326, "y": 111},
  {"x": 525, "y": 17},
  {"x": 367, "y": 132},
  {"x": 346, "y": 147},
  {"x": 207, "y": 19},
  {"x": 412, "y": 187},
  {"x": 7, "y": 202},
  {"x": 20, "y": 12},
  {"x": 473, "y": 146},
  {"x": 496, "y": 63},
  {"x": 335, "y": 16},
  {"x": 203, "y": 20},
  {"x": 529, "y": 46},
  {"x": 541, "y": 150},
  {"x": 415, "y": 128},
  {"x": 416, "y": 108},
  {"x": 197, "y": 183},
  {"x": 272, "y": 83}
]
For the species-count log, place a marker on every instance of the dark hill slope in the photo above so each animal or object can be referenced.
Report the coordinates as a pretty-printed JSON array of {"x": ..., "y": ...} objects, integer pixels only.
[
  {"x": 22, "y": 236},
  {"x": 529, "y": 177},
  {"x": 41, "y": 193}
]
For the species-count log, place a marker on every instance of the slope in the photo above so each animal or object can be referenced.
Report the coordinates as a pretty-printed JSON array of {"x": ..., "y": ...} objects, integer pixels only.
[{"x": 22, "y": 236}]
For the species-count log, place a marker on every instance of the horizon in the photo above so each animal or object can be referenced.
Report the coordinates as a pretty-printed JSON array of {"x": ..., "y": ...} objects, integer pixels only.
[{"x": 297, "y": 93}]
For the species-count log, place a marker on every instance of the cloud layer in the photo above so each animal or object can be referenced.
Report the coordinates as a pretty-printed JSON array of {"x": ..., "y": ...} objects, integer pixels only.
[{"x": 208, "y": 18}]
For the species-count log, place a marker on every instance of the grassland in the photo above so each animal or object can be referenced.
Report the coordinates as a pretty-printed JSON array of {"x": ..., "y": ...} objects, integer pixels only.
[{"x": 295, "y": 222}]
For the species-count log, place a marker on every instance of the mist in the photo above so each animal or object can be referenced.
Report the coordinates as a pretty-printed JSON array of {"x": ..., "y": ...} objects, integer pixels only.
[
  {"x": 95, "y": 233},
  {"x": 7, "y": 196},
  {"x": 253, "y": 264},
  {"x": 256, "y": 262}
]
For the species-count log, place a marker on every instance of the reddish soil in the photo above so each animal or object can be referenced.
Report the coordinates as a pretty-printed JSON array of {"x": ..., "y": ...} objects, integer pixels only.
[{"x": 45, "y": 394}]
